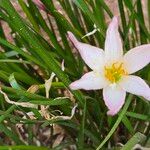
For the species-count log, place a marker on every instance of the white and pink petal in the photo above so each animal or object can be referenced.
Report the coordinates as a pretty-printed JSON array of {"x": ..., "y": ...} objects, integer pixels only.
[
  {"x": 89, "y": 81},
  {"x": 93, "y": 56},
  {"x": 113, "y": 43},
  {"x": 114, "y": 98},
  {"x": 135, "y": 85},
  {"x": 137, "y": 58}
]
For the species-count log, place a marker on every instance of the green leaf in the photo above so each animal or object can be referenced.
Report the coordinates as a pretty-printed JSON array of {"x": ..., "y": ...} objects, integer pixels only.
[
  {"x": 142, "y": 25},
  {"x": 23, "y": 147},
  {"x": 138, "y": 116},
  {"x": 84, "y": 7},
  {"x": 56, "y": 102},
  {"x": 82, "y": 128},
  {"x": 29, "y": 15},
  {"x": 128, "y": 124},
  {"x": 11, "y": 134},
  {"x": 121, "y": 115},
  {"x": 29, "y": 36},
  {"x": 141, "y": 17},
  {"x": 137, "y": 138}
]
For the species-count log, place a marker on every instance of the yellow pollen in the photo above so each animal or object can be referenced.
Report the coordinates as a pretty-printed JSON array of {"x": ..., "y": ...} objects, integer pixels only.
[{"x": 114, "y": 72}]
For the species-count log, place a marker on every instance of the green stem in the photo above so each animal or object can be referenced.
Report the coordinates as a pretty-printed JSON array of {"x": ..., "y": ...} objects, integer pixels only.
[{"x": 116, "y": 123}]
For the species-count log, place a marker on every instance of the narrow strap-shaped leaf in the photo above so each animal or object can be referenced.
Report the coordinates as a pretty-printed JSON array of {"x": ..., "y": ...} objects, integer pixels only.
[
  {"x": 138, "y": 116},
  {"x": 23, "y": 147},
  {"x": 128, "y": 124},
  {"x": 10, "y": 134},
  {"x": 141, "y": 16},
  {"x": 116, "y": 123},
  {"x": 26, "y": 33},
  {"x": 29, "y": 16},
  {"x": 142, "y": 25},
  {"x": 137, "y": 138}
]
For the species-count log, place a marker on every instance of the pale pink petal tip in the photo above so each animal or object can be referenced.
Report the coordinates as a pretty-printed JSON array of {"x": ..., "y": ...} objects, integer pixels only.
[
  {"x": 73, "y": 86},
  {"x": 89, "y": 81},
  {"x": 113, "y": 43},
  {"x": 147, "y": 97},
  {"x": 114, "y": 98},
  {"x": 115, "y": 21},
  {"x": 72, "y": 38},
  {"x": 111, "y": 113}
]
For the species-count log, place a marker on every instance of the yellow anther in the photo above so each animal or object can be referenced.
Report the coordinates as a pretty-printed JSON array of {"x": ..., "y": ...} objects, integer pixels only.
[{"x": 114, "y": 72}]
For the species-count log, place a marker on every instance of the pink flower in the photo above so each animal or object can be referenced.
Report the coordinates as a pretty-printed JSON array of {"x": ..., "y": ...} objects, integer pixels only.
[{"x": 111, "y": 70}]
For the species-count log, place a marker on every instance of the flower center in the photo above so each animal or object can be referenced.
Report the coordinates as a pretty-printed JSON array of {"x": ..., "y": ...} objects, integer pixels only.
[{"x": 114, "y": 72}]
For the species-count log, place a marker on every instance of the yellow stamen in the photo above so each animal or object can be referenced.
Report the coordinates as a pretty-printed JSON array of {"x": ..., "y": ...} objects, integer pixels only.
[{"x": 114, "y": 72}]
